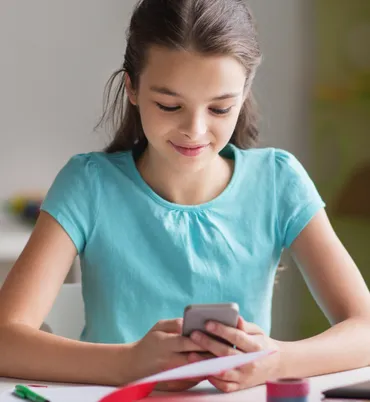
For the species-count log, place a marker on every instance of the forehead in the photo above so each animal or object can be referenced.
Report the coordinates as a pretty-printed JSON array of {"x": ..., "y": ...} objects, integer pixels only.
[{"x": 192, "y": 73}]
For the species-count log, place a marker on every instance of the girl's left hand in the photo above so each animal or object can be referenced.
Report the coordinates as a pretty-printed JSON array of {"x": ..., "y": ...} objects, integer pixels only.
[{"x": 246, "y": 337}]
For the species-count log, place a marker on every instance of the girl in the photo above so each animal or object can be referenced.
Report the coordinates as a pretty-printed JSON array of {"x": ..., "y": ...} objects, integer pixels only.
[{"x": 180, "y": 209}]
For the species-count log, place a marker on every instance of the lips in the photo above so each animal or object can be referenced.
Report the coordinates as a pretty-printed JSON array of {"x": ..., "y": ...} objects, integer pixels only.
[{"x": 190, "y": 150}]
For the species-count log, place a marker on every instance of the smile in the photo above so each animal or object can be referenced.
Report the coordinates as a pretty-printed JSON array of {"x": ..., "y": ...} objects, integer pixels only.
[{"x": 189, "y": 150}]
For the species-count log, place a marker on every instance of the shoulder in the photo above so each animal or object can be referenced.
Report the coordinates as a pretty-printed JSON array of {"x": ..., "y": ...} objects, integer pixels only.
[
  {"x": 95, "y": 163},
  {"x": 254, "y": 156},
  {"x": 268, "y": 159},
  {"x": 85, "y": 174},
  {"x": 80, "y": 163},
  {"x": 278, "y": 160},
  {"x": 289, "y": 172},
  {"x": 286, "y": 162},
  {"x": 278, "y": 156},
  {"x": 276, "y": 167}
]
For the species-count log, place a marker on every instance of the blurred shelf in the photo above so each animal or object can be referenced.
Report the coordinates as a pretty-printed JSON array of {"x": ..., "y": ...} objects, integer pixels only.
[{"x": 13, "y": 238}]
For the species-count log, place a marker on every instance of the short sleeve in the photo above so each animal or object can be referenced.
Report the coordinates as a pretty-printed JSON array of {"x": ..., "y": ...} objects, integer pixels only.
[
  {"x": 297, "y": 199},
  {"x": 73, "y": 199}
]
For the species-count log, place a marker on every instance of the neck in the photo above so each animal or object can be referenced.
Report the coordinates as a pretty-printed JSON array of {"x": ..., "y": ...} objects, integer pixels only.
[{"x": 193, "y": 188}]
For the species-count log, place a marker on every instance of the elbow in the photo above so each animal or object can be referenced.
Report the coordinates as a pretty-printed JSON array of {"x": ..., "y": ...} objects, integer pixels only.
[
  {"x": 8, "y": 334},
  {"x": 5, "y": 331},
  {"x": 6, "y": 348},
  {"x": 361, "y": 328}
]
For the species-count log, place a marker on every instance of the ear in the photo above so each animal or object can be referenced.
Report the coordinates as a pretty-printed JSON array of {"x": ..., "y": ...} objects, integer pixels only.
[{"x": 131, "y": 93}]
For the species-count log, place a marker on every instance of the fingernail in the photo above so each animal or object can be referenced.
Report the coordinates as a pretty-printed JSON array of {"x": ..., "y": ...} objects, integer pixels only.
[
  {"x": 195, "y": 336},
  {"x": 210, "y": 326}
]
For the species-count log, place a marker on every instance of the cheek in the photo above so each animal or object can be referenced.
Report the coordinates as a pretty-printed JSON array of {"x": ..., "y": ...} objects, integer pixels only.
[
  {"x": 154, "y": 123},
  {"x": 223, "y": 129}
]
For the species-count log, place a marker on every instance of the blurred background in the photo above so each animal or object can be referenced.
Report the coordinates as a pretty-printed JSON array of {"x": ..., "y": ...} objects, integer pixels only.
[{"x": 313, "y": 89}]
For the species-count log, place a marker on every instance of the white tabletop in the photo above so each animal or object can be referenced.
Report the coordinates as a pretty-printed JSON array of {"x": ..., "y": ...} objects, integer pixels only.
[{"x": 205, "y": 392}]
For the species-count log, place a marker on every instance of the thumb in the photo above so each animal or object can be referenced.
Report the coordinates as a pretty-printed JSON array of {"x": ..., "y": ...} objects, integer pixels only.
[
  {"x": 169, "y": 326},
  {"x": 248, "y": 327}
]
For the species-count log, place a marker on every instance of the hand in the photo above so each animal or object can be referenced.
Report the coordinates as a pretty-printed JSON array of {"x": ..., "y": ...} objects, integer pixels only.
[
  {"x": 247, "y": 337},
  {"x": 164, "y": 348}
]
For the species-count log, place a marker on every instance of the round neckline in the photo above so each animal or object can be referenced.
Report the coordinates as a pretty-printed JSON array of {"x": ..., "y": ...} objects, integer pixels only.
[{"x": 229, "y": 149}]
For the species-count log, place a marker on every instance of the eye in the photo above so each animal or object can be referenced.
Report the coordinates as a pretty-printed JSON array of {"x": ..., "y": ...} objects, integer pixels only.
[
  {"x": 167, "y": 108},
  {"x": 221, "y": 111}
]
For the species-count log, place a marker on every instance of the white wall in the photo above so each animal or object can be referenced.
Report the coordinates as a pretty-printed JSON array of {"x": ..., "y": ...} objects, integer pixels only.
[
  {"x": 55, "y": 59},
  {"x": 57, "y": 55},
  {"x": 284, "y": 80},
  {"x": 283, "y": 88}
]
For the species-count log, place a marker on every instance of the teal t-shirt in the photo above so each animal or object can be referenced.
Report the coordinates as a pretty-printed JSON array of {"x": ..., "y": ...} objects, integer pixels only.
[{"x": 144, "y": 259}]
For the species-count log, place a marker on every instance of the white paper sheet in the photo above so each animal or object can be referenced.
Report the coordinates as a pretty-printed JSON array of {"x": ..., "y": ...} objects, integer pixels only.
[
  {"x": 95, "y": 393},
  {"x": 206, "y": 367}
]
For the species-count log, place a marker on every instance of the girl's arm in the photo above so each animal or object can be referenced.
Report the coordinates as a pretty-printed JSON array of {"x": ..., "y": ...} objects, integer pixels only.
[
  {"x": 27, "y": 352},
  {"x": 341, "y": 292},
  {"x": 343, "y": 296},
  {"x": 26, "y": 298}
]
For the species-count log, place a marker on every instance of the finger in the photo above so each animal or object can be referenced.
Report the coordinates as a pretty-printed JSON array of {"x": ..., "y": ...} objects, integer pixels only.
[
  {"x": 169, "y": 326},
  {"x": 198, "y": 357},
  {"x": 224, "y": 386},
  {"x": 198, "y": 379},
  {"x": 229, "y": 376},
  {"x": 178, "y": 343},
  {"x": 178, "y": 386},
  {"x": 213, "y": 346},
  {"x": 176, "y": 360},
  {"x": 248, "y": 327},
  {"x": 242, "y": 341}
]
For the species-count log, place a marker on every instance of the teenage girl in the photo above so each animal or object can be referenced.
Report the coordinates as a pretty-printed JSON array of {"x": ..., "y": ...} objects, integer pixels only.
[{"x": 181, "y": 209}]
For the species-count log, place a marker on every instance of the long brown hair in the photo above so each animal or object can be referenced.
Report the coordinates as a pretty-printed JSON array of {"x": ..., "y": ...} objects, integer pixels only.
[{"x": 210, "y": 27}]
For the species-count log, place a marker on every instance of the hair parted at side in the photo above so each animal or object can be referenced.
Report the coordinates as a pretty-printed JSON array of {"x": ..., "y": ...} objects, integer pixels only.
[{"x": 210, "y": 27}]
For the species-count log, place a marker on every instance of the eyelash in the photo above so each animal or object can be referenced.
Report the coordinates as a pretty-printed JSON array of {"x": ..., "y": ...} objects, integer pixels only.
[{"x": 175, "y": 108}]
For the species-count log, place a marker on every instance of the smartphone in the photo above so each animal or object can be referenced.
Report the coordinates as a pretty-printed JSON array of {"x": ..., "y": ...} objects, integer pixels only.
[{"x": 197, "y": 315}]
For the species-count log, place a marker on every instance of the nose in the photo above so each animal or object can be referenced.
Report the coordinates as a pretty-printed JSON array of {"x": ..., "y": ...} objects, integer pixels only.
[{"x": 194, "y": 125}]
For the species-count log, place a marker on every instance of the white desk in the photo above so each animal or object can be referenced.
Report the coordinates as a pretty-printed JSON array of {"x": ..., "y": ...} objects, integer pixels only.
[{"x": 205, "y": 392}]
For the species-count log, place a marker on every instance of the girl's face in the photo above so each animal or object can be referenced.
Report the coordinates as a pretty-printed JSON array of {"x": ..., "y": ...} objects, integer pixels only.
[{"x": 189, "y": 105}]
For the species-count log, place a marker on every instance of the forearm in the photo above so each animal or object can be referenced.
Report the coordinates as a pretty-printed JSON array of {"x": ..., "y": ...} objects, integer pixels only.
[
  {"x": 33, "y": 354},
  {"x": 343, "y": 347}
]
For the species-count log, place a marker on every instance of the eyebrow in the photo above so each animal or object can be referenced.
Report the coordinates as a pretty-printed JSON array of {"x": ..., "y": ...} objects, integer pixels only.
[{"x": 166, "y": 91}]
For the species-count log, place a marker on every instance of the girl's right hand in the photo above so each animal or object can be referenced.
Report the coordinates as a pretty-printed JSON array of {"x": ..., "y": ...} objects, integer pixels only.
[{"x": 164, "y": 348}]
